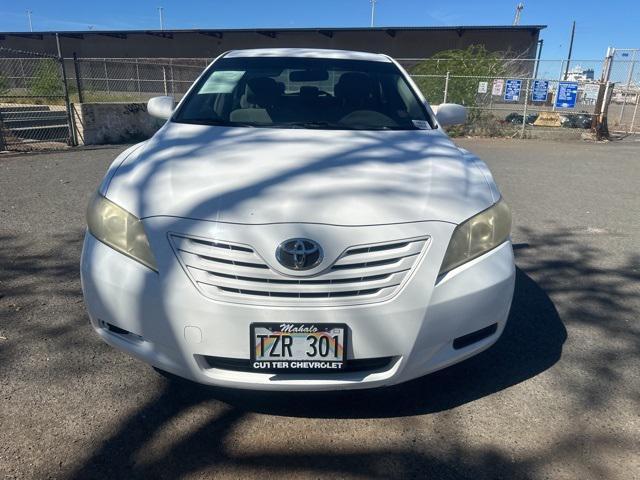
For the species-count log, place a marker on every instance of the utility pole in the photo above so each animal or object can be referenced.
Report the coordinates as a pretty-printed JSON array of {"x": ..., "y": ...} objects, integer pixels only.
[
  {"x": 29, "y": 12},
  {"x": 539, "y": 54},
  {"x": 161, "y": 12},
  {"x": 516, "y": 18},
  {"x": 373, "y": 12},
  {"x": 573, "y": 32}
]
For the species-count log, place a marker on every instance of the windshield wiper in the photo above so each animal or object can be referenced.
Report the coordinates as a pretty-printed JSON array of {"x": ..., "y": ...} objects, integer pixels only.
[
  {"x": 215, "y": 122},
  {"x": 312, "y": 124},
  {"x": 342, "y": 126}
]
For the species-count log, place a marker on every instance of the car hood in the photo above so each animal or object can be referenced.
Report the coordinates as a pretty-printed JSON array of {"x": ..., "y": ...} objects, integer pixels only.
[{"x": 267, "y": 175}]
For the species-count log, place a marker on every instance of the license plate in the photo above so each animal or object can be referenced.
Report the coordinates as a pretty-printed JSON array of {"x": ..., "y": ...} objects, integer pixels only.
[{"x": 298, "y": 346}]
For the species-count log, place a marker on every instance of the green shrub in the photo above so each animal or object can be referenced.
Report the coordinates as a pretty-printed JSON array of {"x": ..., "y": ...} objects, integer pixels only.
[
  {"x": 466, "y": 68},
  {"x": 47, "y": 81}
]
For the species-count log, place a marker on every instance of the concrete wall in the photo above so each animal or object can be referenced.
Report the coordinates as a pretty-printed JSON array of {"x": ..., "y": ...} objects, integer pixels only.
[
  {"x": 399, "y": 42},
  {"x": 102, "y": 123}
]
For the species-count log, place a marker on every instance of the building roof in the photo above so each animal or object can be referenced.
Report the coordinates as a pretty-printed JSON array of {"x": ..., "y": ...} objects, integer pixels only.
[{"x": 271, "y": 31}]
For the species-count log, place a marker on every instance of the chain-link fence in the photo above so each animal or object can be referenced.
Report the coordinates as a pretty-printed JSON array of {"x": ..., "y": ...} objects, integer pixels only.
[
  {"x": 530, "y": 93},
  {"x": 483, "y": 87},
  {"x": 511, "y": 96},
  {"x": 505, "y": 96},
  {"x": 132, "y": 79},
  {"x": 34, "y": 109},
  {"x": 625, "y": 72}
]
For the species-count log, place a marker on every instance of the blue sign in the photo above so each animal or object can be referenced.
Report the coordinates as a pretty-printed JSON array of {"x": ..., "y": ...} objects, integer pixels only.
[
  {"x": 567, "y": 95},
  {"x": 512, "y": 90},
  {"x": 540, "y": 91}
]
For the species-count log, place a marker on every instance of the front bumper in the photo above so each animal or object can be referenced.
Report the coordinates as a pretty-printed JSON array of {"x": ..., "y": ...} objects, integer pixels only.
[{"x": 162, "y": 319}]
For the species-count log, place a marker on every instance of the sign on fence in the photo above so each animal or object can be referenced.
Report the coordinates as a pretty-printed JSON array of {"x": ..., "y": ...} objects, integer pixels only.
[
  {"x": 567, "y": 95},
  {"x": 498, "y": 84},
  {"x": 591, "y": 91},
  {"x": 512, "y": 90},
  {"x": 540, "y": 91},
  {"x": 483, "y": 87}
]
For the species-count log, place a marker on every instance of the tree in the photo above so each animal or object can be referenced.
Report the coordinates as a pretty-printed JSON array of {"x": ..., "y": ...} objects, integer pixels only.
[{"x": 465, "y": 67}]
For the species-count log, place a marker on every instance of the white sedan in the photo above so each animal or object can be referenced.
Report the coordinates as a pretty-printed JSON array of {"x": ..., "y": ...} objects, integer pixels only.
[{"x": 300, "y": 222}]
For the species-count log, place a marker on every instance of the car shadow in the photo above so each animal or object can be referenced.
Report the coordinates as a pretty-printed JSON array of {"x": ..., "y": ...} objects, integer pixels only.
[{"x": 531, "y": 343}]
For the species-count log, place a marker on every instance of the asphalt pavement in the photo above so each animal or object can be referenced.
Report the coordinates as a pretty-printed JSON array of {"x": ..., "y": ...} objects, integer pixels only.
[{"x": 557, "y": 397}]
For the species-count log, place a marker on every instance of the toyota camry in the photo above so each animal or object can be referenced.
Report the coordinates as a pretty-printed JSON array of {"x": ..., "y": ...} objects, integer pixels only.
[{"x": 301, "y": 221}]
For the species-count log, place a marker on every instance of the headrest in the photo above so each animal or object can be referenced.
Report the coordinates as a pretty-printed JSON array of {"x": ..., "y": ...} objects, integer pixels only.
[
  {"x": 309, "y": 92},
  {"x": 262, "y": 91},
  {"x": 354, "y": 87}
]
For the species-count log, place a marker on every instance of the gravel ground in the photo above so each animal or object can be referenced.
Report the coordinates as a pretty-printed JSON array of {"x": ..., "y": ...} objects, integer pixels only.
[{"x": 557, "y": 397}]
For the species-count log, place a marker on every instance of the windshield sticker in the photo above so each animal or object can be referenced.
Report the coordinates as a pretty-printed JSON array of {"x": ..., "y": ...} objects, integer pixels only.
[{"x": 222, "y": 81}]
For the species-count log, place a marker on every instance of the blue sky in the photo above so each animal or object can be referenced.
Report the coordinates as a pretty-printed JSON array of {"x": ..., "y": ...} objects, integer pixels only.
[{"x": 614, "y": 22}]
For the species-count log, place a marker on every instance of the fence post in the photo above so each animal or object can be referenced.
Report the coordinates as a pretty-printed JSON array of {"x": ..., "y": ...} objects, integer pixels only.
[
  {"x": 106, "y": 74},
  {"x": 173, "y": 85},
  {"x": 446, "y": 88},
  {"x": 598, "y": 123},
  {"x": 606, "y": 67},
  {"x": 164, "y": 80},
  {"x": 524, "y": 113},
  {"x": 635, "y": 112},
  {"x": 2, "y": 142},
  {"x": 604, "y": 99},
  {"x": 76, "y": 67},
  {"x": 24, "y": 76},
  {"x": 629, "y": 77},
  {"x": 138, "y": 78},
  {"x": 72, "y": 136}
]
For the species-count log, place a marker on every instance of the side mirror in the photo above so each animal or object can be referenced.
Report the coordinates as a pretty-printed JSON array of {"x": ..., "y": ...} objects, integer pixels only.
[
  {"x": 161, "y": 107},
  {"x": 451, "y": 114}
]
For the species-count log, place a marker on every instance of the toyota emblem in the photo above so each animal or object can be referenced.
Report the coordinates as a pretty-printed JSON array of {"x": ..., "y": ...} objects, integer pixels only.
[{"x": 299, "y": 254}]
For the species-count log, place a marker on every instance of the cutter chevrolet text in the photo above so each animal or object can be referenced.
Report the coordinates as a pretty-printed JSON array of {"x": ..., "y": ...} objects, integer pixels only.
[{"x": 300, "y": 222}]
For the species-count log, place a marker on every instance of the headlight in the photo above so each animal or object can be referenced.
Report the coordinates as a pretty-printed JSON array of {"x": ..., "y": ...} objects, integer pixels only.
[
  {"x": 119, "y": 229},
  {"x": 478, "y": 235}
]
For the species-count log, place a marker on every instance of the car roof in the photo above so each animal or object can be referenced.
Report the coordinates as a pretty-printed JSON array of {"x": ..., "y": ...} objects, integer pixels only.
[{"x": 308, "y": 53}]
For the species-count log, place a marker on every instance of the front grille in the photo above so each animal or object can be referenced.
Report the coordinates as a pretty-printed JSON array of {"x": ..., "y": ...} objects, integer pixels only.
[{"x": 233, "y": 272}]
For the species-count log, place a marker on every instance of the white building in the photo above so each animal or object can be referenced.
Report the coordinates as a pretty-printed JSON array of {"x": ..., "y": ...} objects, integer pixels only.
[{"x": 579, "y": 74}]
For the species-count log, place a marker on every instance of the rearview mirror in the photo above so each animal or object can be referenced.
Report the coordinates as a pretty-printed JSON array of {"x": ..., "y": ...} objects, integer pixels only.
[
  {"x": 161, "y": 107},
  {"x": 451, "y": 114},
  {"x": 308, "y": 76}
]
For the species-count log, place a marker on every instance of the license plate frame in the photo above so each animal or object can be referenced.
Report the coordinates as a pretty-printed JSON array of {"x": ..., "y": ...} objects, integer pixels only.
[{"x": 300, "y": 365}]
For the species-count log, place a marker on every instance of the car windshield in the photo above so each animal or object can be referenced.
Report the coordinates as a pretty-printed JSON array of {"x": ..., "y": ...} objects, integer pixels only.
[{"x": 286, "y": 92}]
